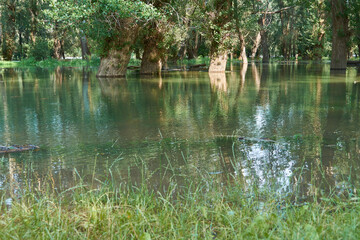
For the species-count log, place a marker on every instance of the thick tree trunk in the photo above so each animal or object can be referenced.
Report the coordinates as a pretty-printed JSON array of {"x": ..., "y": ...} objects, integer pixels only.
[
  {"x": 243, "y": 56},
  {"x": 340, "y": 35},
  {"x": 256, "y": 45},
  {"x": 57, "y": 48},
  {"x": 114, "y": 62},
  {"x": 153, "y": 52},
  {"x": 9, "y": 31},
  {"x": 219, "y": 46},
  {"x": 218, "y": 62},
  {"x": 85, "y": 51},
  {"x": 265, "y": 47}
]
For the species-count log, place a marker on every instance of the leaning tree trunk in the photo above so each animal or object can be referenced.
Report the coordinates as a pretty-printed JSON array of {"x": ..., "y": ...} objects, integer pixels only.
[
  {"x": 340, "y": 22},
  {"x": 153, "y": 52},
  {"x": 114, "y": 62}
]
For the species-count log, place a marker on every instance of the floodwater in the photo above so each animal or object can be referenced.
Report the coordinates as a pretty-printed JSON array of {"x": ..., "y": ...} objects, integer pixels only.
[{"x": 289, "y": 127}]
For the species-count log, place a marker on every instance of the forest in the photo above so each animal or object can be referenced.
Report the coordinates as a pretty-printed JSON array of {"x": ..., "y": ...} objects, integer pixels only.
[{"x": 159, "y": 31}]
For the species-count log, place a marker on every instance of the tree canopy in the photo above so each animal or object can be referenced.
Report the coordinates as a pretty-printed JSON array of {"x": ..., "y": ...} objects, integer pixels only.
[{"x": 157, "y": 31}]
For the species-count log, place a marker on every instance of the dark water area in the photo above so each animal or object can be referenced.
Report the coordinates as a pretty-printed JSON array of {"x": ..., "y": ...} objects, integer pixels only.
[{"x": 298, "y": 126}]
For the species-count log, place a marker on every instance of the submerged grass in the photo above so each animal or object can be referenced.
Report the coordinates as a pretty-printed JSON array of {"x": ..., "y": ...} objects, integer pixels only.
[{"x": 196, "y": 209}]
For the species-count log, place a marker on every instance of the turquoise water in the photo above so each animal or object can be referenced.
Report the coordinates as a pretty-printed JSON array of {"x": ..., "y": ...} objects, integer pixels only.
[{"x": 298, "y": 123}]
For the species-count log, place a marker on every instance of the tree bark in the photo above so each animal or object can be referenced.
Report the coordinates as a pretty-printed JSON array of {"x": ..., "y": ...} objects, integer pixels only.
[
  {"x": 58, "y": 43},
  {"x": 243, "y": 56},
  {"x": 193, "y": 44},
  {"x": 219, "y": 38},
  {"x": 57, "y": 49},
  {"x": 319, "y": 46},
  {"x": 85, "y": 51},
  {"x": 153, "y": 52},
  {"x": 34, "y": 13},
  {"x": 9, "y": 31},
  {"x": 256, "y": 45},
  {"x": 340, "y": 22},
  {"x": 114, "y": 62},
  {"x": 218, "y": 62},
  {"x": 264, "y": 40},
  {"x": 285, "y": 38}
]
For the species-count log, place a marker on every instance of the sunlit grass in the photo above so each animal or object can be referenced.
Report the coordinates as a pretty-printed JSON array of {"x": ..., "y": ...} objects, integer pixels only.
[
  {"x": 8, "y": 64},
  {"x": 49, "y": 63},
  {"x": 200, "y": 208}
]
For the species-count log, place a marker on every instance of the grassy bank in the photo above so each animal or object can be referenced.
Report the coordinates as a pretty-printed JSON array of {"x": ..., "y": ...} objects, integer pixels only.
[
  {"x": 49, "y": 63},
  {"x": 198, "y": 210}
]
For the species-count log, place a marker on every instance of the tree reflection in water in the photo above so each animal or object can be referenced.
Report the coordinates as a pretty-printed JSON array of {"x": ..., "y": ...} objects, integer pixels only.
[{"x": 176, "y": 120}]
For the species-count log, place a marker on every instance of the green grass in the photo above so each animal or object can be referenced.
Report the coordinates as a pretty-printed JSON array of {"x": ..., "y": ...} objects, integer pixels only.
[
  {"x": 196, "y": 209},
  {"x": 49, "y": 63}
]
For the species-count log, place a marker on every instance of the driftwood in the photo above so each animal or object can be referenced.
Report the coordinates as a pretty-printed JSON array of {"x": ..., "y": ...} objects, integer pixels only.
[
  {"x": 197, "y": 66},
  {"x": 17, "y": 148}
]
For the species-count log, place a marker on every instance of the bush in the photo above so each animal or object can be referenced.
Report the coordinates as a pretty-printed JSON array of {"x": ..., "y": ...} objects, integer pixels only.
[{"x": 40, "y": 50}]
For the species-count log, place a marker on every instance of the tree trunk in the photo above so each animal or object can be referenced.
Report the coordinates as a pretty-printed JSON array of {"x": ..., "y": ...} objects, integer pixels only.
[
  {"x": 114, "y": 62},
  {"x": 9, "y": 31},
  {"x": 193, "y": 44},
  {"x": 85, "y": 51},
  {"x": 218, "y": 62},
  {"x": 319, "y": 46},
  {"x": 256, "y": 45},
  {"x": 243, "y": 56},
  {"x": 340, "y": 34},
  {"x": 153, "y": 52},
  {"x": 33, "y": 25},
  {"x": 219, "y": 45},
  {"x": 265, "y": 47},
  {"x": 58, "y": 43},
  {"x": 57, "y": 48},
  {"x": 285, "y": 38},
  {"x": 264, "y": 40}
]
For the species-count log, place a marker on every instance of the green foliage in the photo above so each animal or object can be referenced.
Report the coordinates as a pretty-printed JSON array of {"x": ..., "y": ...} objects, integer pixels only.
[{"x": 40, "y": 50}]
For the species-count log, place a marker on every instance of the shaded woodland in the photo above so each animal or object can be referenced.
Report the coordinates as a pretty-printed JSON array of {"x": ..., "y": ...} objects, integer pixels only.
[{"x": 155, "y": 32}]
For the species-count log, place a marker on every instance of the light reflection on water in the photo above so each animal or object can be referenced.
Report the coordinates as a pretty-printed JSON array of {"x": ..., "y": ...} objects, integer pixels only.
[{"x": 85, "y": 126}]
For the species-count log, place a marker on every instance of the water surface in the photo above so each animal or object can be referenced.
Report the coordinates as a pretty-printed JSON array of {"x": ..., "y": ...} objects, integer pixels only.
[{"x": 298, "y": 123}]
